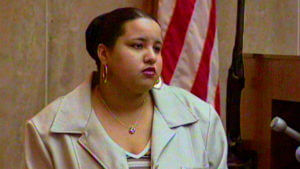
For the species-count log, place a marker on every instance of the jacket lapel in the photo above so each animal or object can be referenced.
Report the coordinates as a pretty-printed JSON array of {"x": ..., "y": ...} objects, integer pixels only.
[
  {"x": 171, "y": 113},
  {"x": 100, "y": 147},
  {"x": 161, "y": 136}
]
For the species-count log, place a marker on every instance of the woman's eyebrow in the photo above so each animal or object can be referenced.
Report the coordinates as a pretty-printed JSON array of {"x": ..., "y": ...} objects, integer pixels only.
[{"x": 145, "y": 40}]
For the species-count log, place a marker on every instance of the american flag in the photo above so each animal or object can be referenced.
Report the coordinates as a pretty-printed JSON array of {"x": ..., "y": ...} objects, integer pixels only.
[{"x": 190, "y": 49}]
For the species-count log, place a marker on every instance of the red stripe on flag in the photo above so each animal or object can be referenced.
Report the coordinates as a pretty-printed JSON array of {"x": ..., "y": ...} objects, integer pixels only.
[
  {"x": 175, "y": 35},
  {"x": 217, "y": 100},
  {"x": 200, "y": 85}
]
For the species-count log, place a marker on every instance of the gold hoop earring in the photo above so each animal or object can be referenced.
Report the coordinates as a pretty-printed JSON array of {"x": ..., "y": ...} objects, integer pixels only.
[
  {"x": 104, "y": 74},
  {"x": 158, "y": 83}
]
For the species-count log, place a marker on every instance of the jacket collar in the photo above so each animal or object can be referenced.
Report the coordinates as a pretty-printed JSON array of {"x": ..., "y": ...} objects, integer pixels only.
[{"x": 75, "y": 109}]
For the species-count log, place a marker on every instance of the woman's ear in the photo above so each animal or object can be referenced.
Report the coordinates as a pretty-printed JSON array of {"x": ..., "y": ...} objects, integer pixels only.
[{"x": 103, "y": 53}]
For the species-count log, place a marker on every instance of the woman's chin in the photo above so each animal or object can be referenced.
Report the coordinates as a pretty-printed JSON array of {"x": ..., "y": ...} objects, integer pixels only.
[{"x": 145, "y": 86}]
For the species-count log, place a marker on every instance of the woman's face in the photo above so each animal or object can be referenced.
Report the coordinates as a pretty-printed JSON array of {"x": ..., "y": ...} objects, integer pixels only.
[{"x": 137, "y": 49}]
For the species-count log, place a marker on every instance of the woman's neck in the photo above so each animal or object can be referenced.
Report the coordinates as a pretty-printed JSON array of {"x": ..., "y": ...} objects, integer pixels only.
[{"x": 120, "y": 100}]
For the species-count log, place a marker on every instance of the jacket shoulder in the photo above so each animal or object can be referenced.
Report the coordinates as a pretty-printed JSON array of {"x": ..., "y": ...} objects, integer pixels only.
[
  {"x": 198, "y": 106},
  {"x": 43, "y": 119}
]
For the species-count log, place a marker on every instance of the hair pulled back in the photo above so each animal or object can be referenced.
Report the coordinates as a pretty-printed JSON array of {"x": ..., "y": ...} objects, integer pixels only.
[{"x": 106, "y": 28}]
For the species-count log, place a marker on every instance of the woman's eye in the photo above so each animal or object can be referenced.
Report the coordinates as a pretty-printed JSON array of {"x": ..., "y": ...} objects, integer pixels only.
[
  {"x": 137, "y": 46},
  {"x": 157, "y": 49}
]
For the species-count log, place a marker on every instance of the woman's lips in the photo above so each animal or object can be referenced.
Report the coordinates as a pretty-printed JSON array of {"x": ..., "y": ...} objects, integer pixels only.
[{"x": 149, "y": 72}]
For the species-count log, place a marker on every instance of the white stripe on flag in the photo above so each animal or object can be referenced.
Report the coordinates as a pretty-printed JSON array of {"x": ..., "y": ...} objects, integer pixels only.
[
  {"x": 213, "y": 74},
  {"x": 188, "y": 64},
  {"x": 165, "y": 12}
]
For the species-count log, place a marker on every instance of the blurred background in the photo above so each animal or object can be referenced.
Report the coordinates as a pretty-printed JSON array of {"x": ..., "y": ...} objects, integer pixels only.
[{"x": 43, "y": 56}]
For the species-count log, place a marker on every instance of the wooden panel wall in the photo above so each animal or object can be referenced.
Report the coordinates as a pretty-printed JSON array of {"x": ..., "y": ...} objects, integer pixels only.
[
  {"x": 22, "y": 73},
  {"x": 271, "y": 27},
  {"x": 267, "y": 77}
]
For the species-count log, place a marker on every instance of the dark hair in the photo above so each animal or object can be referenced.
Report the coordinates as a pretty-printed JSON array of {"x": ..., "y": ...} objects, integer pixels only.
[{"x": 106, "y": 29}]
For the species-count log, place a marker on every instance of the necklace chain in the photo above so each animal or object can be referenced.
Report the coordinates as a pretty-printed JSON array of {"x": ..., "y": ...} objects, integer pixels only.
[{"x": 132, "y": 128}]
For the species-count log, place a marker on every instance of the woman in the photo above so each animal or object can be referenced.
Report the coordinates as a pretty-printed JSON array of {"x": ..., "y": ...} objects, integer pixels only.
[{"x": 123, "y": 116}]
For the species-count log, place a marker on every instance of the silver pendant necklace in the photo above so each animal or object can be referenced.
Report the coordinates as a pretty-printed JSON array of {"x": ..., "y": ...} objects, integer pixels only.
[{"x": 132, "y": 128}]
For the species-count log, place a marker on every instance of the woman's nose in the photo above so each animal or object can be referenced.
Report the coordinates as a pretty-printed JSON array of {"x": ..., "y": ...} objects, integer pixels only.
[{"x": 150, "y": 56}]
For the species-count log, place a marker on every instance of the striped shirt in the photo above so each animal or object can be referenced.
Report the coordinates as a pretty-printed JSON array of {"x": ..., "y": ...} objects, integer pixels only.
[{"x": 140, "y": 161}]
